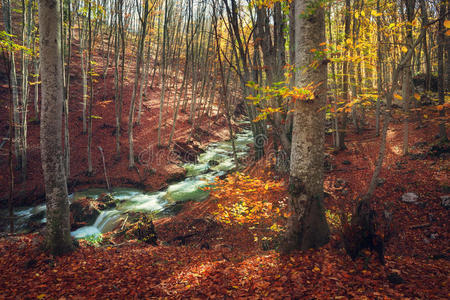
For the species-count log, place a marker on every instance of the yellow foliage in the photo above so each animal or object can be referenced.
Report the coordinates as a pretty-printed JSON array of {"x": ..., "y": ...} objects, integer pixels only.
[
  {"x": 245, "y": 200},
  {"x": 376, "y": 14}
]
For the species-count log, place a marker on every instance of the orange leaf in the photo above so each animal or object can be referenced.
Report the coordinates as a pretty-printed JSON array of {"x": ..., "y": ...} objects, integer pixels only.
[
  {"x": 447, "y": 23},
  {"x": 417, "y": 96},
  {"x": 398, "y": 97}
]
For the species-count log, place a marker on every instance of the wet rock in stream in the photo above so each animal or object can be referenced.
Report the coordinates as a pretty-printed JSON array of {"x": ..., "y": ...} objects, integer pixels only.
[{"x": 83, "y": 211}]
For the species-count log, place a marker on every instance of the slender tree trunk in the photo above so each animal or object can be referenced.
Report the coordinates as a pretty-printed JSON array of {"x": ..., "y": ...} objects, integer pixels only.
[
  {"x": 441, "y": 75},
  {"x": 131, "y": 114},
  {"x": 225, "y": 98},
  {"x": 407, "y": 76},
  {"x": 379, "y": 73},
  {"x": 67, "y": 90},
  {"x": 91, "y": 92},
  {"x": 424, "y": 15},
  {"x": 144, "y": 84},
  {"x": 345, "y": 79},
  {"x": 6, "y": 58},
  {"x": 83, "y": 73},
  {"x": 117, "y": 99},
  {"x": 6, "y": 7},
  {"x": 26, "y": 42},
  {"x": 163, "y": 72}
]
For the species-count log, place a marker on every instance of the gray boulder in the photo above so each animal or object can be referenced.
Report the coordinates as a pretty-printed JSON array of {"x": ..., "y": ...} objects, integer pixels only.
[
  {"x": 410, "y": 198},
  {"x": 445, "y": 201}
]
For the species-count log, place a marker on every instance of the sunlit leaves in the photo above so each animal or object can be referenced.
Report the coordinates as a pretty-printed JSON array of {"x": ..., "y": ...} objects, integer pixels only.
[
  {"x": 7, "y": 43},
  {"x": 243, "y": 199},
  {"x": 417, "y": 96},
  {"x": 266, "y": 112},
  {"x": 398, "y": 97},
  {"x": 376, "y": 14}
]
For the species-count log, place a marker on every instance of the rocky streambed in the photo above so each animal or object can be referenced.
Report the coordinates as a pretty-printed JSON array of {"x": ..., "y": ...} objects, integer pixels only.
[{"x": 95, "y": 210}]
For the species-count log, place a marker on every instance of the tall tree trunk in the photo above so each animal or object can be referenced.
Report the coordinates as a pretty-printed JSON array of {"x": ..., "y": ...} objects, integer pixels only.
[
  {"x": 58, "y": 226},
  {"x": 131, "y": 114},
  {"x": 6, "y": 58},
  {"x": 6, "y": 7},
  {"x": 307, "y": 226},
  {"x": 424, "y": 16},
  {"x": 407, "y": 75},
  {"x": 225, "y": 98},
  {"x": 91, "y": 91},
  {"x": 345, "y": 79},
  {"x": 163, "y": 72},
  {"x": 144, "y": 84},
  {"x": 26, "y": 42},
  {"x": 83, "y": 72},
  {"x": 117, "y": 98},
  {"x": 441, "y": 75},
  {"x": 67, "y": 91},
  {"x": 379, "y": 72}
]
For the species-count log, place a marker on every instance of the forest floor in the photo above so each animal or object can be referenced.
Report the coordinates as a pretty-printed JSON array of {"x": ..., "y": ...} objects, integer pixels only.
[
  {"x": 154, "y": 163},
  {"x": 202, "y": 254}
]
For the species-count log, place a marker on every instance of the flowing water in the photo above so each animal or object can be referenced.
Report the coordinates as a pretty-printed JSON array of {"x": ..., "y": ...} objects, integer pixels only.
[{"x": 217, "y": 160}]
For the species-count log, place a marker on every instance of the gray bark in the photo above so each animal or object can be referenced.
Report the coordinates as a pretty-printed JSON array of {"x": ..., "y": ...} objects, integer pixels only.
[
  {"x": 407, "y": 76},
  {"x": 58, "y": 227},
  {"x": 307, "y": 226},
  {"x": 6, "y": 10}
]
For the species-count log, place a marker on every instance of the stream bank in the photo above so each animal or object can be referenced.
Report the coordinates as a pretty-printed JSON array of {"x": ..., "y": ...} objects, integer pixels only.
[{"x": 217, "y": 160}]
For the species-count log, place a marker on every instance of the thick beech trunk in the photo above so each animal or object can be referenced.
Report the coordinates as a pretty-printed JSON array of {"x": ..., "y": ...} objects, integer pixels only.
[
  {"x": 58, "y": 228},
  {"x": 307, "y": 226}
]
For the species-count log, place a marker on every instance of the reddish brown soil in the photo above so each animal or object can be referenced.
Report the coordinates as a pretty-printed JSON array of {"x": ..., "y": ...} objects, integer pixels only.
[{"x": 145, "y": 137}]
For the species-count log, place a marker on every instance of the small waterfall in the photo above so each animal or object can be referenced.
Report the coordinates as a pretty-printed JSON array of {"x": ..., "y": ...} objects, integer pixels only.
[{"x": 106, "y": 220}]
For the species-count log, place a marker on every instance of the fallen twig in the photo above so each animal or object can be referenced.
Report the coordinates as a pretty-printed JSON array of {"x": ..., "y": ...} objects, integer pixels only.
[{"x": 420, "y": 226}]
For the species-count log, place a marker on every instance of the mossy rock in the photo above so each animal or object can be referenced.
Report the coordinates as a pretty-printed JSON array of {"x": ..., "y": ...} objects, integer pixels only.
[
  {"x": 144, "y": 230},
  {"x": 84, "y": 212},
  {"x": 106, "y": 201}
]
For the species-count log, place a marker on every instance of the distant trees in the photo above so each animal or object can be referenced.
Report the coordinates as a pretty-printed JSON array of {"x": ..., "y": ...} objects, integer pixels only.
[
  {"x": 174, "y": 38},
  {"x": 58, "y": 239}
]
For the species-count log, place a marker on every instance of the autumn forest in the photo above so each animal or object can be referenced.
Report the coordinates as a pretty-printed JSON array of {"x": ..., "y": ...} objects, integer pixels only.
[{"x": 254, "y": 149}]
